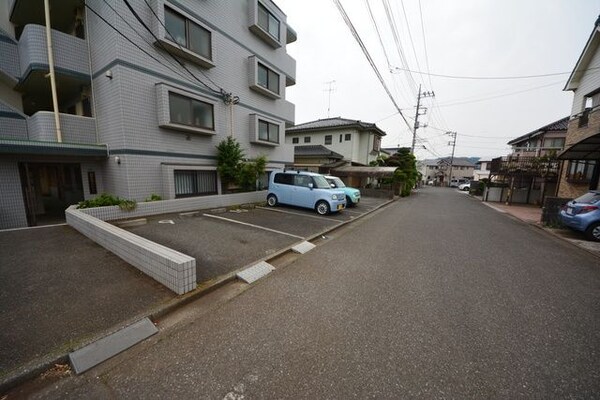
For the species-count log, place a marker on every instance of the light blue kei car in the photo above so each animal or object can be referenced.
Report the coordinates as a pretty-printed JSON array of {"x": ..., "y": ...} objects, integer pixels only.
[
  {"x": 583, "y": 214},
  {"x": 352, "y": 194}
]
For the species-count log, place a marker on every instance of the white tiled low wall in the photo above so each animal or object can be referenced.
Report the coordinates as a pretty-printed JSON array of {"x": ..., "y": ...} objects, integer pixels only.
[
  {"x": 177, "y": 205},
  {"x": 175, "y": 270}
]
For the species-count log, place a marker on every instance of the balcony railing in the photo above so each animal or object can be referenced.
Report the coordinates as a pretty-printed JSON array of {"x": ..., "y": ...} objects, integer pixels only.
[
  {"x": 532, "y": 166},
  {"x": 74, "y": 128},
  {"x": 70, "y": 52}
]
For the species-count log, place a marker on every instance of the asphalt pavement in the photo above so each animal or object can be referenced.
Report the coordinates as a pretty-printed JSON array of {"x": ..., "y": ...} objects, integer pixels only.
[{"x": 435, "y": 296}]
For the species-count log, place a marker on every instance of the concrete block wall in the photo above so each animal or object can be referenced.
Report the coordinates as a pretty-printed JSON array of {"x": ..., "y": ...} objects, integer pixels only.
[{"x": 173, "y": 269}]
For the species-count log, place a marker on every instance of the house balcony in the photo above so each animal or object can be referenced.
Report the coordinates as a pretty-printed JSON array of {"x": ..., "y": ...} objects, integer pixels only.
[
  {"x": 74, "y": 128},
  {"x": 583, "y": 125},
  {"x": 9, "y": 62},
  {"x": 288, "y": 66},
  {"x": 535, "y": 151},
  {"x": 62, "y": 17},
  {"x": 524, "y": 166}
]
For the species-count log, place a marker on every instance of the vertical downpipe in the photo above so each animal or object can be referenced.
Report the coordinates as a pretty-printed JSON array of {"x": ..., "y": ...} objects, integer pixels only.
[{"x": 51, "y": 72}]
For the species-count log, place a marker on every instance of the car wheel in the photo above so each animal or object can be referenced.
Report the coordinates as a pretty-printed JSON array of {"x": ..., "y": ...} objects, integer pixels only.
[
  {"x": 593, "y": 232},
  {"x": 349, "y": 202},
  {"x": 272, "y": 200},
  {"x": 322, "y": 207}
]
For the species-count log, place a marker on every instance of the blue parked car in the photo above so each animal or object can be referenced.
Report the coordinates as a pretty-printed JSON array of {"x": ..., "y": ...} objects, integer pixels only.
[
  {"x": 304, "y": 189},
  {"x": 583, "y": 214},
  {"x": 352, "y": 195}
]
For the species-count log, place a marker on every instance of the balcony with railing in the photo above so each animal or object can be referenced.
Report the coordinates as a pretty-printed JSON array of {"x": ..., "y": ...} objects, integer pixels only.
[
  {"x": 530, "y": 166},
  {"x": 74, "y": 128}
]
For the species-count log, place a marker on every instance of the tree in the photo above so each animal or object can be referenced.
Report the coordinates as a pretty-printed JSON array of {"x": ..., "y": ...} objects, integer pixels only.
[
  {"x": 233, "y": 169},
  {"x": 229, "y": 158},
  {"x": 406, "y": 172}
]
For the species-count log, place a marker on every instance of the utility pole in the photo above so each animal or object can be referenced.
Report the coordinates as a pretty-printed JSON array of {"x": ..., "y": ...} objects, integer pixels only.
[
  {"x": 453, "y": 144},
  {"x": 417, "y": 125},
  {"x": 331, "y": 89}
]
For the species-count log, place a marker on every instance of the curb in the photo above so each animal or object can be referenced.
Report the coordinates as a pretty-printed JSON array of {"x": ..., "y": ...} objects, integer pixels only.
[{"x": 33, "y": 369}]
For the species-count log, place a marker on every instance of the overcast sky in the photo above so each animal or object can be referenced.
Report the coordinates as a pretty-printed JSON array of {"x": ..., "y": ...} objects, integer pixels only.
[{"x": 475, "y": 38}]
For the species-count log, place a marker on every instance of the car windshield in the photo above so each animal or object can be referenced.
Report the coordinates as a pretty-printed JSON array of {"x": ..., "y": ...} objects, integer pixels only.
[
  {"x": 321, "y": 182},
  {"x": 589, "y": 198},
  {"x": 337, "y": 182}
]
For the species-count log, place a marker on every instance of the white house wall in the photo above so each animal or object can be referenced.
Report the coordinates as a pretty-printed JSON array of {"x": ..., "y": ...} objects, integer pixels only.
[{"x": 590, "y": 81}]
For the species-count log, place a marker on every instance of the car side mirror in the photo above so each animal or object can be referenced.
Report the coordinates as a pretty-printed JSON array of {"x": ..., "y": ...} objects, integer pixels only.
[
  {"x": 310, "y": 185},
  {"x": 332, "y": 185}
]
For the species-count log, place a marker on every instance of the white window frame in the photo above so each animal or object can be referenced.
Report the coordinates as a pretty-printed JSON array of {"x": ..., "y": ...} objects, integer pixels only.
[
  {"x": 254, "y": 130},
  {"x": 168, "y": 42},
  {"x": 253, "y": 62},
  {"x": 164, "y": 110},
  {"x": 259, "y": 31}
]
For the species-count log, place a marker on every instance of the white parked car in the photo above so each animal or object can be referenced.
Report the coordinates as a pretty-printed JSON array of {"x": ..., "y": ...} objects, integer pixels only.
[{"x": 464, "y": 186}]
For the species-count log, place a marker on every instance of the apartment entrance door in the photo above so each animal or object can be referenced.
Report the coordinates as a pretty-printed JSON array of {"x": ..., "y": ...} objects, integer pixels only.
[{"x": 48, "y": 189}]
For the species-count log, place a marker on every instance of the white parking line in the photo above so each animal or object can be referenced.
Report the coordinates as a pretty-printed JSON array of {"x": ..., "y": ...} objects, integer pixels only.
[
  {"x": 351, "y": 211},
  {"x": 292, "y": 213},
  {"x": 252, "y": 225}
]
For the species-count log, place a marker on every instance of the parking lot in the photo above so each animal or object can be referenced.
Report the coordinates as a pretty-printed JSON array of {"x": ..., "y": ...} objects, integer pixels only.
[{"x": 225, "y": 241}]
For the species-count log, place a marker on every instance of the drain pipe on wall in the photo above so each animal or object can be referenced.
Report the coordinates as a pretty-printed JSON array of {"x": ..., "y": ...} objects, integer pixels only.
[{"x": 51, "y": 70}]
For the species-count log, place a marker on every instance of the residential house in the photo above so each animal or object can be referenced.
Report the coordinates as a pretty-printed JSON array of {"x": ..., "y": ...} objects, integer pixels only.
[
  {"x": 581, "y": 171},
  {"x": 358, "y": 142},
  {"x": 441, "y": 171},
  {"x": 482, "y": 170},
  {"x": 137, "y": 109},
  {"x": 317, "y": 158},
  {"x": 548, "y": 140},
  {"x": 530, "y": 172}
]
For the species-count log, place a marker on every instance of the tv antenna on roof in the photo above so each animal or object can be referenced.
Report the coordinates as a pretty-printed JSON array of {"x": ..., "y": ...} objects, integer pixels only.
[{"x": 331, "y": 89}]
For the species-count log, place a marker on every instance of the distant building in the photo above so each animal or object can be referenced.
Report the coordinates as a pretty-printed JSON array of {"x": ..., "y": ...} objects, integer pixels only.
[
  {"x": 482, "y": 170},
  {"x": 547, "y": 140},
  {"x": 581, "y": 171},
  {"x": 358, "y": 142},
  {"x": 440, "y": 172}
]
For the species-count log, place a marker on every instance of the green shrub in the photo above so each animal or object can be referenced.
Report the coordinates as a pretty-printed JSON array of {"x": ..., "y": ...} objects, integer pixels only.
[
  {"x": 105, "y": 200},
  {"x": 153, "y": 197}
]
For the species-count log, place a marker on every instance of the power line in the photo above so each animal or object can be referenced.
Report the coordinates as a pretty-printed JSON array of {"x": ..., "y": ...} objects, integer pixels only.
[
  {"x": 412, "y": 43},
  {"x": 368, "y": 56},
  {"x": 498, "y": 96},
  {"x": 425, "y": 45},
  {"x": 491, "y": 77},
  {"x": 175, "y": 41},
  {"x": 141, "y": 21}
]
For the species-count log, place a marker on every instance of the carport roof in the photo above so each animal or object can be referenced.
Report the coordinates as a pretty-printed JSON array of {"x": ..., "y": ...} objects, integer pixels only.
[
  {"x": 316, "y": 150},
  {"x": 586, "y": 149},
  {"x": 364, "y": 171}
]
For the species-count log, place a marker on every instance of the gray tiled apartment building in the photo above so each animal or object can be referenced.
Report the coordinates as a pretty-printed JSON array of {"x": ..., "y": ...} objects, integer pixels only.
[{"x": 133, "y": 121}]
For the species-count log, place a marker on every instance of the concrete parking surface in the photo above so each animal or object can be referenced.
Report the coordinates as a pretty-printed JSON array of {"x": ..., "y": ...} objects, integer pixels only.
[
  {"x": 227, "y": 241},
  {"x": 60, "y": 289}
]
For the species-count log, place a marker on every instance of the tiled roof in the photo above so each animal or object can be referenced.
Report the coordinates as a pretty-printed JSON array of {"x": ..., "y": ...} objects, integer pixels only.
[
  {"x": 334, "y": 123},
  {"x": 457, "y": 162},
  {"x": 560, "y": 125},
  {"x": 316, "y": 150}
]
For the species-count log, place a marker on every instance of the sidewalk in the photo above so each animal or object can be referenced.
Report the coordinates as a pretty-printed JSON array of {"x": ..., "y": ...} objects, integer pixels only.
[{"x": 532, "y": 215}]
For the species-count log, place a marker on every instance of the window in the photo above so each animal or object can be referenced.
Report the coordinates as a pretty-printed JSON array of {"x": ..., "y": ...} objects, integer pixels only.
[
  {"x": 556, "y": 143},
  {"x": 268, "y": 22},
  {"x": 376, "y": 143},
  {"x": 306, "y": 139},
  {"x": 295, "y": 140},
  {"x": 188, "y": 34},
  {"x": 268, "y": 131},
  {"x": 348, "y": 137},
  {"x": 284, "y": 179},
  {"x": 302, "y": 180},
  {"x": 267, "y": 78},
  {"x": 341, "y": 136},
  {"x": 187, "y": 111},
  {"x": 92, "y": 182},
  {"x": 328, "y": 139},
  {"x": 195, "y": 183},
  {"x": 580, "y": 171}
]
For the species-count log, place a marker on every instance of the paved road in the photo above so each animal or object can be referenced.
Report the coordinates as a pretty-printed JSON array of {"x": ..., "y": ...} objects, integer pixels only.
[{"x": 436, "y": 296}]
